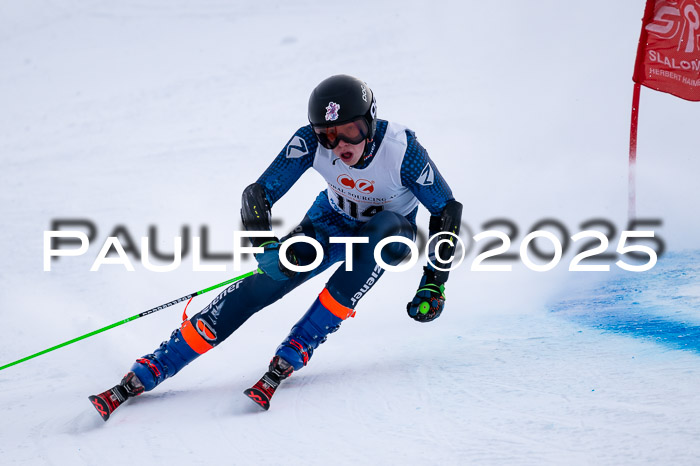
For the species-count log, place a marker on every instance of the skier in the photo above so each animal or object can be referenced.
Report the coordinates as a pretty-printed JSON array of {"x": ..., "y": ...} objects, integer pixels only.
[{"x": 377, "y": 173}]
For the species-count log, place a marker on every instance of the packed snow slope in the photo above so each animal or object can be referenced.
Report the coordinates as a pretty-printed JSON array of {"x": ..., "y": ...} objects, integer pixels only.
[{"x": 136, "y": 114}]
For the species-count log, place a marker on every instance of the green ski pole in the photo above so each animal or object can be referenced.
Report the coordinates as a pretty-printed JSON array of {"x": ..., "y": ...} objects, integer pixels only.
[{"x": 129, "y": 319}]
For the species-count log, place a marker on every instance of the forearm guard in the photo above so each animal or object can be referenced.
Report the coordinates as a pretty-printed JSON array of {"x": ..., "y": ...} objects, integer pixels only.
[
  {"x": 255, "y": 212},
  {"x": 448, "y": 221}
]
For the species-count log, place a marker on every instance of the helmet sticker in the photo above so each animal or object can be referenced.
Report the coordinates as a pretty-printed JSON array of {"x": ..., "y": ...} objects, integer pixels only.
[{"x": 332, "y": 111}]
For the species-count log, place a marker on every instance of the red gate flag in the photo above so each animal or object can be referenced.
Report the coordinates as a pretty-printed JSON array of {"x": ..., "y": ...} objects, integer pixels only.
[{"x": 668, "y": 56}]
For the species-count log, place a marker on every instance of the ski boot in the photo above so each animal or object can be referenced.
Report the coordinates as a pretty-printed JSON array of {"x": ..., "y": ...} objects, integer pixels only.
[
  {"x": 262, "y": 391},
  {"x": 106, "y": 402}
]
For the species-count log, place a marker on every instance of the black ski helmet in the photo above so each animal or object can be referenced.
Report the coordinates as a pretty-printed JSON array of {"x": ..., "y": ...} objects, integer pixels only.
[{"x": 341, "y": 99}]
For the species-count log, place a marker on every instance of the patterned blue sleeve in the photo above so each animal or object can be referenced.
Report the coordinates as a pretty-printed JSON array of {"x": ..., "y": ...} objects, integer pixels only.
[
  {"x": 296, "y": 157},
  {"x": 420, "y": 175}
]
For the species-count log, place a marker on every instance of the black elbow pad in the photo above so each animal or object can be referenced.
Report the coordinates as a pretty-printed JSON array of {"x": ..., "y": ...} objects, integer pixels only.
[
  {"x": 255, "y": 210},
  {"x": 448, "y": 221}
]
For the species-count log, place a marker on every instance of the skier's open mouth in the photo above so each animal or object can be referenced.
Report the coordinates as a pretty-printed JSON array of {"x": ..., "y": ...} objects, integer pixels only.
[{"x": 346, "y": 155}]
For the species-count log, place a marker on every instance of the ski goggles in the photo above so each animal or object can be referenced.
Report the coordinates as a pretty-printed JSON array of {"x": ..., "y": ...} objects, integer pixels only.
[{"x": 353, "y": 132}]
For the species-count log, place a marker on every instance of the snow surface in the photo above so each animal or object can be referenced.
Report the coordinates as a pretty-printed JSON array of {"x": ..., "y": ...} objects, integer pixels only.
[{"x": 140, "y": 113}]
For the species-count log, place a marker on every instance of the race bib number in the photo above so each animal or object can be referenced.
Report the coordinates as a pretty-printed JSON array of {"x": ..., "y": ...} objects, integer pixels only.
[{"x": 362, "y": 212}]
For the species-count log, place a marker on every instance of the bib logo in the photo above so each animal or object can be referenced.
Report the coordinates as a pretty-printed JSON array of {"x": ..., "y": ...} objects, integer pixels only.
[
  {"x": 346, "y": 181},
  {"x": 363, "y": 186},
  {"x": 678, "y": 19}
]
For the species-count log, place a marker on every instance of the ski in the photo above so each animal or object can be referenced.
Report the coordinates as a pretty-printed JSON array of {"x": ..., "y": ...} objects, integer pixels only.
[
  {"x": 259, "y": 396},
  {"x": 108, "y": 401},
  {"x": 262, "y": 391}
]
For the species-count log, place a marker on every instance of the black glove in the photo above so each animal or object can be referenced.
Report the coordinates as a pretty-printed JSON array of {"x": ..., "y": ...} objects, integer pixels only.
[
  {"x": 269, "y": 261},
  {"x": 429, "y": 300}
]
